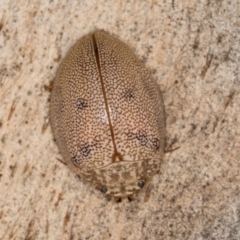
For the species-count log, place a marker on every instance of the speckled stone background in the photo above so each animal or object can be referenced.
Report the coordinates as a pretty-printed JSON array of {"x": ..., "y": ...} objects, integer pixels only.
[{"x": 192, "y": 49}]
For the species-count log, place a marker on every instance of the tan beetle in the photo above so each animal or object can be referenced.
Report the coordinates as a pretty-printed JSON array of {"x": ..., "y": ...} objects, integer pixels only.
[{"x": 107, "y": 115}]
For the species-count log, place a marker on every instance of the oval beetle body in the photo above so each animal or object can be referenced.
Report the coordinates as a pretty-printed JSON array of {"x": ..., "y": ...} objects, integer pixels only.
[{"x": 107, "y": 115}]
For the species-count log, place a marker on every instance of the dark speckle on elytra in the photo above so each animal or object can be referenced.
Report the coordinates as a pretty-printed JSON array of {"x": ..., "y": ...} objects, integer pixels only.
[
  {"x": 129, "y": 94},
  {"x": 144, "y": 140},
  {"x": 142, "y": 137},
  {"x": 154, "y": 143},
  {"x": 81, "y": 103},
  {"x": 83, "y": 152}
]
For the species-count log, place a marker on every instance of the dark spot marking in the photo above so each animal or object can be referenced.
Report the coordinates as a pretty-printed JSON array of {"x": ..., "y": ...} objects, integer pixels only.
[
  {"x": 83, "y": 152},
  {"x": 129, "y": 94},
  {"x": 142, "y": 137},
  {"x": 76, "y": 159},
  {"x": 81, "y": 103},
  {"x": 131, "y": 135},
  {"x": 154, "y": 143}
]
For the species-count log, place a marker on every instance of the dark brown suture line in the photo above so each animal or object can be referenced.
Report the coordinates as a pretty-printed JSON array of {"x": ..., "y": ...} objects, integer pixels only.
[{"x": 95, "y": 47}]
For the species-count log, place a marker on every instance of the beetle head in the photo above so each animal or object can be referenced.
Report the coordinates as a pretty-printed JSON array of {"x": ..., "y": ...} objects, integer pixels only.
[{"x": 122, "y": 191}]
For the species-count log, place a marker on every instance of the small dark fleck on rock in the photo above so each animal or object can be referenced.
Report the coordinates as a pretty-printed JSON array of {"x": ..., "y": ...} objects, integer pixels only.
[
  {"x": 58, "y": 58},
  {"x": 48, "y": 87},
  {"x": 1, "y": 26}
]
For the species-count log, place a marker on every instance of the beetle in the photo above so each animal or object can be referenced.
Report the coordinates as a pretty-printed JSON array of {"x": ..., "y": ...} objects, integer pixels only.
[{"x": 107, "y": 115}]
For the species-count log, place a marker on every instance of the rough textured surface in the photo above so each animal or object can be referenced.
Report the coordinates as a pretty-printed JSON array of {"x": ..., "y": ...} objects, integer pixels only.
[{"x": 192, "y": 48}]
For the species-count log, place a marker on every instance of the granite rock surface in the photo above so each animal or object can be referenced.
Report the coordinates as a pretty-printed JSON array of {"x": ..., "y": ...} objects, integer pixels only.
[{"x": 192, "y": 49}]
